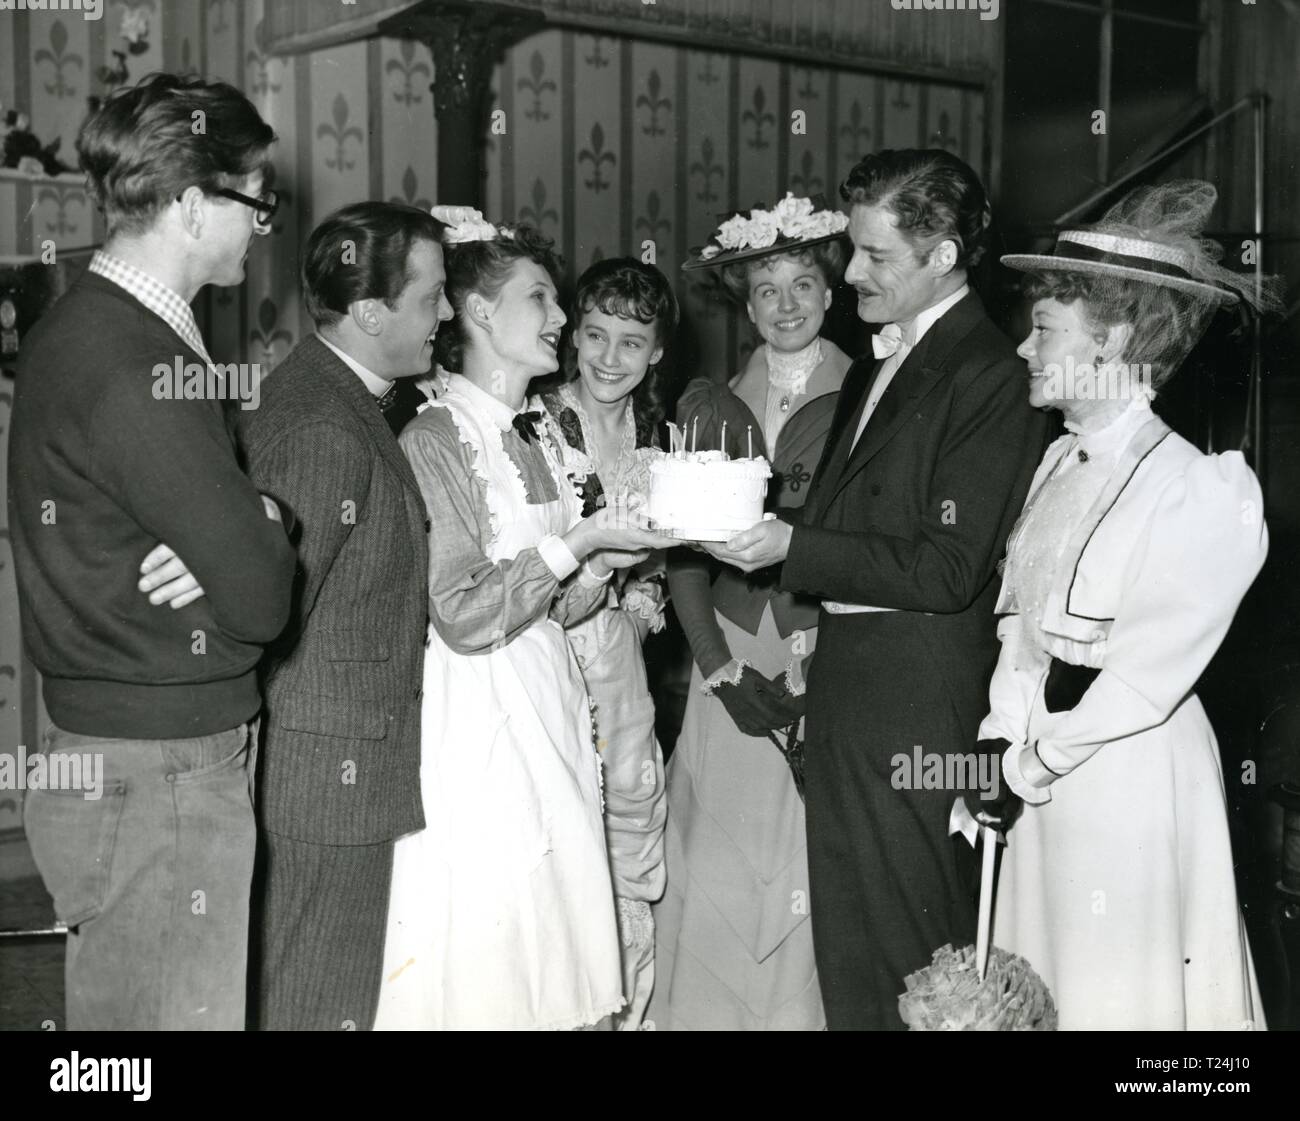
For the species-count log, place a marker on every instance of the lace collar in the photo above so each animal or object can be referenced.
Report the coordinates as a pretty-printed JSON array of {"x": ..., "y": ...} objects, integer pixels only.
[
  {"x": 627, "y": 446},
  {"x": 791, "y": 372}
]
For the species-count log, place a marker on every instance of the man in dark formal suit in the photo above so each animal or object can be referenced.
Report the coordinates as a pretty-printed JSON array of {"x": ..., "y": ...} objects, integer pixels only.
[
  {"x": 341, "y": 755},
  {"x": 929, "y": 459}
]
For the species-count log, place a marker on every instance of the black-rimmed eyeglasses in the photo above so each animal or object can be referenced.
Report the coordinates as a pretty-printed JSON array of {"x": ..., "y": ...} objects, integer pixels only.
[{"x": 266, "y": 206}]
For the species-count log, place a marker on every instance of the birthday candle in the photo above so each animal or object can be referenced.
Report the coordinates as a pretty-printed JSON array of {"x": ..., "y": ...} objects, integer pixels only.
[
  {"x": 724, "y": 439},
  {"x": 749, "y": 435},
  {"x": 695, "y": 431}
]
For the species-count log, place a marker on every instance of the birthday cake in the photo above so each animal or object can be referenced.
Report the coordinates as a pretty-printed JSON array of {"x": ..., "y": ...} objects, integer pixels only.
[{"x": 705, "y": 496}]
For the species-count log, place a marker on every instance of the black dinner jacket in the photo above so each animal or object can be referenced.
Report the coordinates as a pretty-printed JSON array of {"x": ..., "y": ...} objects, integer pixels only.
[
  {"x": 341, "y": 745},
  {"x": 917, "y": 516}
]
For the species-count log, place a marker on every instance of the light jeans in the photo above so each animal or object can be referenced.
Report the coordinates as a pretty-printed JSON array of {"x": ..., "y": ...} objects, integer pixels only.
[{"x": 152, "y": 879}]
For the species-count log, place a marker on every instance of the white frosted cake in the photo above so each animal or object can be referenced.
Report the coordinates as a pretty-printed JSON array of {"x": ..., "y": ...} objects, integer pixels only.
[{"x": 703, "y": 496}]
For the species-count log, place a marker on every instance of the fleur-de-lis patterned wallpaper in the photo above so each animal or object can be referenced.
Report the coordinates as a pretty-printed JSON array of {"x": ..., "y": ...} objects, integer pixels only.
[
  {"x": 609, "y": 144},
  {"x": 616, "y": 142}
]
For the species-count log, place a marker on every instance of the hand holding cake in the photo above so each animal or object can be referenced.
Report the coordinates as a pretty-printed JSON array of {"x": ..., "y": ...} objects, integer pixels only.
[
  {"x": 616, "y": 536},
  {"x": 761, "y": 545}
]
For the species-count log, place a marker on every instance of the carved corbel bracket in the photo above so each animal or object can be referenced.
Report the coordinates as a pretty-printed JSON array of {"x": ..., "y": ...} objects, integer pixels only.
[{"x": 466, "y": 41}]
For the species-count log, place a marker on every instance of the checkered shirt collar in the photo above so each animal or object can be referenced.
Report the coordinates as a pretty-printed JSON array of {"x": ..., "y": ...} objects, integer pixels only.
[{"x": 156, "y": 296}]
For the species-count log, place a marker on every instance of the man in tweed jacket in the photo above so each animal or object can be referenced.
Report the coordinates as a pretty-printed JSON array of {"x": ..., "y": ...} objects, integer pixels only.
[{"x": 341, "y": 756}]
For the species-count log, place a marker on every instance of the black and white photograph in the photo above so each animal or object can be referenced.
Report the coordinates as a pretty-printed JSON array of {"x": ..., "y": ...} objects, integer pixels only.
[{"x": 651, "y": 515}]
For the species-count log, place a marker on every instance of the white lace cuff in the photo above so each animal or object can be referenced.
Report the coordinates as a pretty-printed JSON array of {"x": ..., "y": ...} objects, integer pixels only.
[
  {"x": 728, "y": 674},
  {"x": 558, "y": 556},
  {"x": 1025, "y": 774},
  {"x": 794, "y": 681}
]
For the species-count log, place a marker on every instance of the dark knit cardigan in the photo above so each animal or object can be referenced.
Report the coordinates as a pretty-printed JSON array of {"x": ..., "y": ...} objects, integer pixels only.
[{"x": 100, "y": 471}]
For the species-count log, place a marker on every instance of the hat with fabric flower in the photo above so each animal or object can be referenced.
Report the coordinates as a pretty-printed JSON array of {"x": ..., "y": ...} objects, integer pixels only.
[
  {"x": 792, "y": 225},
  {"x": 464, "y": 223}
]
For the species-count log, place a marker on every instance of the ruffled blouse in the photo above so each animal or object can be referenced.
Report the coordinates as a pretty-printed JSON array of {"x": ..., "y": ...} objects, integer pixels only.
[
  {"x": 638, "y": 590},
  {"x": 632, "y": 469},
  {"x": 1056, "y": 508}
]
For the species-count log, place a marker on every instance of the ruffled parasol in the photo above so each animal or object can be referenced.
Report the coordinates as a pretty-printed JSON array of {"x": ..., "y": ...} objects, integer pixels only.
[{"x": 973, "y": 989}]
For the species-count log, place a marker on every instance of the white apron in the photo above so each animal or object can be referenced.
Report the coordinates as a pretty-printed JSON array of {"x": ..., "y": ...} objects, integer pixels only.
[{"x": 502, "y": 912}]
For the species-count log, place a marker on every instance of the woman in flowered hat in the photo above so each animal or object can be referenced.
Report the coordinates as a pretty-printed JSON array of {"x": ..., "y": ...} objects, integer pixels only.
[
  {"x": 1122, "y": 577},
  {"x": 501, "y": 913},
  {"x": 733, "y": 943}
]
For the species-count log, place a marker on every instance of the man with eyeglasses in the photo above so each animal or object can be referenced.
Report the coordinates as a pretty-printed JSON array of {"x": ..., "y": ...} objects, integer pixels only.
[
  {"x": 151, "y": 572},
  {"x": 263, "y": 207}
]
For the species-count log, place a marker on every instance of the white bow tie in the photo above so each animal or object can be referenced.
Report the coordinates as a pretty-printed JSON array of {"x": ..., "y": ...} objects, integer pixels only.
[{"x": 890, "y": 341}]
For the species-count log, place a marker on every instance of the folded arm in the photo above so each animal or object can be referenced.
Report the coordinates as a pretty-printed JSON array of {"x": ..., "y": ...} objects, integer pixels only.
[{"x": 172, "y": 465}]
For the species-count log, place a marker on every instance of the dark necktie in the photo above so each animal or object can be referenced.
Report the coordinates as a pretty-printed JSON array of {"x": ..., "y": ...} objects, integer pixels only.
[{"x": 400, "y": 402}]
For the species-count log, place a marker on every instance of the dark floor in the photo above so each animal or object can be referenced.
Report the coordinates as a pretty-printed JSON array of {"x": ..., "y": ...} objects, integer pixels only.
[{"x": 31, "y": 968}]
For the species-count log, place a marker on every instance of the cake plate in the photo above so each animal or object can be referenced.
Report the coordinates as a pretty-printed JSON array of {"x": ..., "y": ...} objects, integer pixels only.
[{"x": 706, "y": 533}]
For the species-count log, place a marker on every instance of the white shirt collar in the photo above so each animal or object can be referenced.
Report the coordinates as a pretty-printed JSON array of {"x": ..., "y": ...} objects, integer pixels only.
[
  {"x": 931, "y": 315},
  {"x": 372, "y": 381}
]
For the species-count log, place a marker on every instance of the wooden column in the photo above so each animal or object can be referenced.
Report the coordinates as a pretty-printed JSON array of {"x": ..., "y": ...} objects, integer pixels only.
[{"x": 466, "y": 42}]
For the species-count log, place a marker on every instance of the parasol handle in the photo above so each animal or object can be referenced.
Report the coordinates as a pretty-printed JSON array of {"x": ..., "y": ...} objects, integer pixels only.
[{"x": 988, "y": 836}]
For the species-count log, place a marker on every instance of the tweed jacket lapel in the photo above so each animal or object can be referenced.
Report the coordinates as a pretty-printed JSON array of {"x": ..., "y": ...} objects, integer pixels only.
[{"x": 334, "y": 372}]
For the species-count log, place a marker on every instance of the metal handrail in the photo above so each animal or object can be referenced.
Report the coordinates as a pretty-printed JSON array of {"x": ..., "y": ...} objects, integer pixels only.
[
  {"x": 57, "y": 929},
  {"x": 1182, "y": 142}
]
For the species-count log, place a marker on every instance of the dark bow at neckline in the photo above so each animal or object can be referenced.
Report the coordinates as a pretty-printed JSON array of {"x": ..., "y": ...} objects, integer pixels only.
[{"x": 526, "y": 425}]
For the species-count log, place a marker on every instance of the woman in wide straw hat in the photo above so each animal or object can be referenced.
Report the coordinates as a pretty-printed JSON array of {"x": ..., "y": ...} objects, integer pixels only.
[
  {"x": 1122, "y": 576},
  {"x": 733, "y": 944}
]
